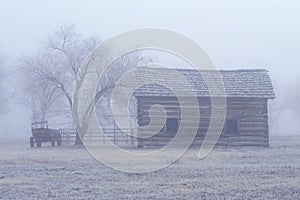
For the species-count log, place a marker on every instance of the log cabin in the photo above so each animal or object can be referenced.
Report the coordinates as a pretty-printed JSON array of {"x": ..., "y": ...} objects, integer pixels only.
[{"x": 247, "y": 92}]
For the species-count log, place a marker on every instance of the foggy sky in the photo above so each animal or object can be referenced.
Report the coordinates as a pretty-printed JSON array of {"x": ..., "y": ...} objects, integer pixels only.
[{"x": 235, "y": 33}]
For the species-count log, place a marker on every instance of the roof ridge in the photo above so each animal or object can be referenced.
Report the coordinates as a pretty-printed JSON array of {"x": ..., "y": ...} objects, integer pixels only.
[
  {"x": 254, "y": 83},
  {"x": 210, "y": 70}
]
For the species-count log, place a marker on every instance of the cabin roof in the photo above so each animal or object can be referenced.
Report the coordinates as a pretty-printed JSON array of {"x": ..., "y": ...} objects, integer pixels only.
[{"x": 250, "y": 83}]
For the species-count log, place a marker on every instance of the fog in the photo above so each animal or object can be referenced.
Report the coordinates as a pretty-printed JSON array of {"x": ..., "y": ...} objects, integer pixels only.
[{"x": 236, "y": 34}]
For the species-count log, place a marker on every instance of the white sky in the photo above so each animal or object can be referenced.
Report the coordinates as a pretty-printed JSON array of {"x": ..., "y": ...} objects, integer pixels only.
[{"x": 235, "y": 33}]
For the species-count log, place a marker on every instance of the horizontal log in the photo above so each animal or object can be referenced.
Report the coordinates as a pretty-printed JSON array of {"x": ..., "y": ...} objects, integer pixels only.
[
  {"x": 199, "y": 143},
  {"x": 200, "y": 100},
  {"x": 237, "y": 112}
]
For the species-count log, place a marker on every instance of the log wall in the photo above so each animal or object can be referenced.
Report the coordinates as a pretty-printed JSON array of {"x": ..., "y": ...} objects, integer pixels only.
[{"x": 251, "y": 114}]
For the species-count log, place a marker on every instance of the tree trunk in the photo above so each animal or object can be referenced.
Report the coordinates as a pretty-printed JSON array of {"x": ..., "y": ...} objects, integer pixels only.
[{"x": 78, "y": 140}]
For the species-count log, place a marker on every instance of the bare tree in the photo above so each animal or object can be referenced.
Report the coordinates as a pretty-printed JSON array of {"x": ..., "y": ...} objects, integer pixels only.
[
  {"x": 106, "y": 84},
  {"x": 276, "y": 107},
  {"x": 4, "y": 96},
  {"x": 287, "y": 99},
  {"x": 66, "y": 50},
  {"x": 50, "y": 75},
  {"x": 37, "y": 94},
  {"x": 291, "y": 94}
]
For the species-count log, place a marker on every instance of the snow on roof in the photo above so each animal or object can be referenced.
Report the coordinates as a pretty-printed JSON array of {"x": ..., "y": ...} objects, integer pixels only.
[{"x": 251, "y": 83}]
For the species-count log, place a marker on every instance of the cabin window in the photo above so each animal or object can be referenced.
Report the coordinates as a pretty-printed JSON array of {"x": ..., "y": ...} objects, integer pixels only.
[
  {"x": 172, "y": 125},
  {"x": 232, "y": 126}
]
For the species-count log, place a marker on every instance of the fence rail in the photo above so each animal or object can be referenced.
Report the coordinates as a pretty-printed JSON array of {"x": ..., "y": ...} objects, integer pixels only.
[
  {"x": 125, "y": 137},
  {"x": 112, "y": 133}
]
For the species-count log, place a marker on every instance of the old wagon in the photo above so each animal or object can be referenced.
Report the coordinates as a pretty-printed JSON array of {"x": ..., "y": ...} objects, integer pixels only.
[{"x": 42, "y": 133}]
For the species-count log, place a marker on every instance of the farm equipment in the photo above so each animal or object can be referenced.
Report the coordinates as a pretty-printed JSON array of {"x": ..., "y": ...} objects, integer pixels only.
[{"x": 42, "y": 133}]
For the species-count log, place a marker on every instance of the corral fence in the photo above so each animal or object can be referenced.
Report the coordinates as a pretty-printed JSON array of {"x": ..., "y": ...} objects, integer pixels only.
[{"x": 97, "y": 137}]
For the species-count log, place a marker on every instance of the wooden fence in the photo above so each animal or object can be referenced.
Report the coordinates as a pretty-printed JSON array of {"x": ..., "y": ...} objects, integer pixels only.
[{"x": 125, "y": 137}]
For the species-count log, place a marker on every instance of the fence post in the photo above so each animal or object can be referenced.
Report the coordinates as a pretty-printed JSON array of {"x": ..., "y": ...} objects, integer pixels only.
[
  {"x": 114, "y": 132},
  {"x": 103, "y": 137},
  {"x": 131, "y": 134}
]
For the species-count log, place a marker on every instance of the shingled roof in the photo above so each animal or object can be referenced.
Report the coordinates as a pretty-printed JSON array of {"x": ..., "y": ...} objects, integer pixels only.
[{"x": 252, "y": 83}]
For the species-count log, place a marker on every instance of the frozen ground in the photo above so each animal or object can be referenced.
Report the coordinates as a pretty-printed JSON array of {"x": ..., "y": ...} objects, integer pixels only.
[{"x": 71, "y": 173}]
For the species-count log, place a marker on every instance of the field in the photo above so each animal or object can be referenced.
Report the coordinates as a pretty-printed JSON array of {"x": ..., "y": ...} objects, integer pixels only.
[{"x": 227, "y": 173}]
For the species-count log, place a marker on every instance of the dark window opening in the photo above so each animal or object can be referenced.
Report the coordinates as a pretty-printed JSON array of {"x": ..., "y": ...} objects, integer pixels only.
[
  {"x": 232, "y": 126},
  {"x": 172, "y": 125}
]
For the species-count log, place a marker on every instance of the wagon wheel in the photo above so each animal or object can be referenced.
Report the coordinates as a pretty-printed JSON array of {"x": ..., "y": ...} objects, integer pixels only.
[
  {"x": 59, "y": 139},
  {"x": 38, "y": 143},
  {"x": 53, "y": 141},
  {"x": 31, "y": 142}
]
